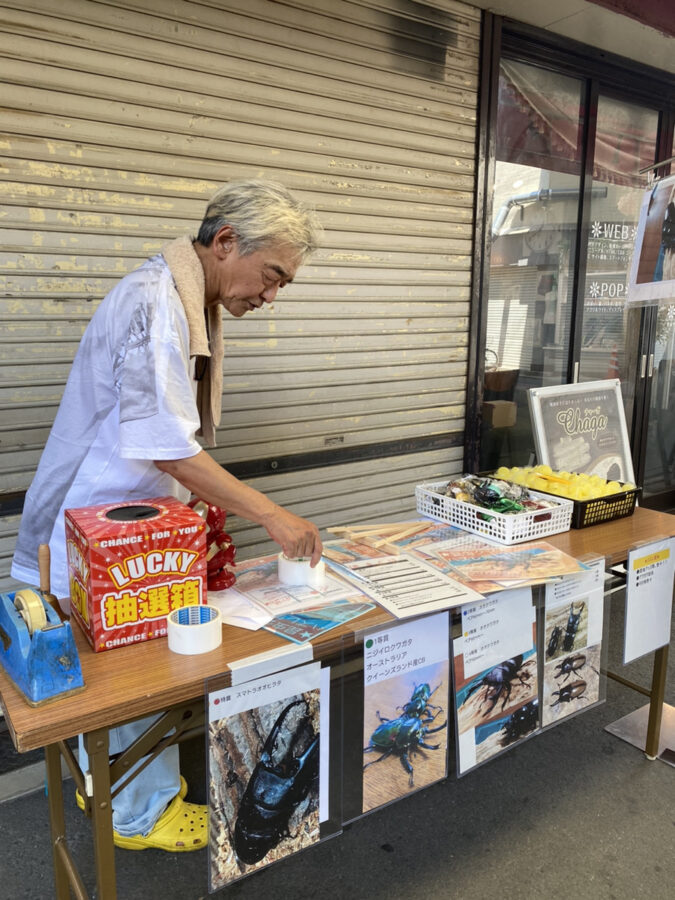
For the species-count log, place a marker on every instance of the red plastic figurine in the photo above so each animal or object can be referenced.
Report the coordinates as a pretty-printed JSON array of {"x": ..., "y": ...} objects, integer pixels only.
[{"x": 220, "y": 551}]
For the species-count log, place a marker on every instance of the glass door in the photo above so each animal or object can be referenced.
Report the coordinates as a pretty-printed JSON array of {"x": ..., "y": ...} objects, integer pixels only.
[
  {"x": 611, "y": 339},
  {"x": 535, "y": 220}
]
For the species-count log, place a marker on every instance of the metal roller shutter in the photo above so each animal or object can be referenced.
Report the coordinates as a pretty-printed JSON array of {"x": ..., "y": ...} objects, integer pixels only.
[{"x": 120, "y": 119}]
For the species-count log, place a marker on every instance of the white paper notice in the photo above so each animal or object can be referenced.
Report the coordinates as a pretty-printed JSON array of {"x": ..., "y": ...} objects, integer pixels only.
[
  {"x": 496, "y": 628},
  {"x": 407, "y": 586},
  {"x": 587, "y": 588},
  {"x": 571, "y": 586},
  {"x": 396, "y": 649},
  {"x": 270, "y": 689},
  {"x": 649, "y": 598}
]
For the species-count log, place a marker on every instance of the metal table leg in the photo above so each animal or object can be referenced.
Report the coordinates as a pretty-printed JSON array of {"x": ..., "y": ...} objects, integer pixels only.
[
  {"x": 57, "y": 820},
  {"x": 96, "y": 744},
  {"x": 656, "y": 700}
]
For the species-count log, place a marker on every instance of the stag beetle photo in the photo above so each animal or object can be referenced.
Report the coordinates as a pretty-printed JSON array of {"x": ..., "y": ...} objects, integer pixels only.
[
  {"x": 554, "y": 640},
  {"x": 278, "y": 784},
  {"x": 498, "y": 681},
  {"x": 520, "y": 723},
  {"x": 405, "y": 734},
  {"x": 419, "y": 702},
  {"x": 571, "y": 627}
]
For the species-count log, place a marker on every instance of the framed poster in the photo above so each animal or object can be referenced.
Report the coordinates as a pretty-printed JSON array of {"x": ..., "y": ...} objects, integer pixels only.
[
  {"x": 573, "y": 644},
  {"x": 265, "y": 761},
  {"x": 582, "y": 428},
  {"x": 496, "y": 682},
  {"x": 406, "y": 688},
  {"x": 652, "y": 271}
]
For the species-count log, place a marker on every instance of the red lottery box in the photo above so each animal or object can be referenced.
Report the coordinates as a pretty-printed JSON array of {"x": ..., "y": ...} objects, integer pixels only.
[{"x": 130, "y": 564}]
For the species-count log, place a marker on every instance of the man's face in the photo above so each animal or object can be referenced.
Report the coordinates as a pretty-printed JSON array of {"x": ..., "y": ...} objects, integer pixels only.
[{"x": 243, "y": 283}]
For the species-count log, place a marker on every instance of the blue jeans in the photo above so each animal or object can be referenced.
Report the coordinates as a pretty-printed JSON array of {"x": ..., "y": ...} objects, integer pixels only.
[{"x": 138, "y": 806}]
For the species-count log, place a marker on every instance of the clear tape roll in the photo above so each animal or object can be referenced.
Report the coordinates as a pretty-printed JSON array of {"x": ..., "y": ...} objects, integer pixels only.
[
  {"x": 194, "y": 629},
  {"x": 31, "y": 609},
  {"x": 298, "y": 571}
]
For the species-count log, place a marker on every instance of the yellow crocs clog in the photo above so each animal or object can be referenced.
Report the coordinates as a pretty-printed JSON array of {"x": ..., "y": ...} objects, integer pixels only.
[{"x": 182, "y": 827}]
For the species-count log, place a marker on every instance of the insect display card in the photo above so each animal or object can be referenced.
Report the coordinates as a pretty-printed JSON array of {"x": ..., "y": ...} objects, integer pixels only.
[
  {"x": 406, "y": 690},
  {"x": 572, "y": 648},
  {"x": 267, "y": 770},
  {"x": 649, "y": 598},
  {"x": 496, "y": 678}
]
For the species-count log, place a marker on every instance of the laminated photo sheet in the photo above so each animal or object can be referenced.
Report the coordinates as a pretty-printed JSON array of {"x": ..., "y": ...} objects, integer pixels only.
[
  {"x": 406, "y": 672},
  {"x": 572, "y": 648},
  {"x": 496, "y": 695},
  {"x": 458, "y": 545},
  {"x": 258, "y": 595},
  {"x": 436, "y": 544},
  {"x": 308, "y": 624},
  {"x": 267, "y": 738},
  {"x": 486, "y": 566},
  {"x": 536, "y": 562}
]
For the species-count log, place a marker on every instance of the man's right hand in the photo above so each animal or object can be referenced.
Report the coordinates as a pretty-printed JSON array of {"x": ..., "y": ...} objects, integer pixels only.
[
  {"x": 296, "y": 536},
  {"x": 209, "y": 481}
]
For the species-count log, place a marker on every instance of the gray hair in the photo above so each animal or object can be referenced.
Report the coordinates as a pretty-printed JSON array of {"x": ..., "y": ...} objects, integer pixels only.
[{"x": 261, "y": 213}]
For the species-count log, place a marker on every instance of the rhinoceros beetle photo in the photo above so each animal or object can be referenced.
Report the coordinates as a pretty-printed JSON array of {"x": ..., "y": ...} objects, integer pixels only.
[
  {"x": 569, "y": 666},
  {"x": 568, "y": 692},
  {"x": 286, "y": 771},
  {"x": 405, "y": 734}
]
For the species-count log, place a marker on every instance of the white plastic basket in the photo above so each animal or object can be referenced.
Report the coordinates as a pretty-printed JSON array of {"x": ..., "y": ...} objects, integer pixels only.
[{"x": 507, "y": 528}]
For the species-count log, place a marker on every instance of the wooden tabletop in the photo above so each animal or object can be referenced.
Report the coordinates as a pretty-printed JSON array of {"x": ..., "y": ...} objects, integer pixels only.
[
  {"x": 133, "y": 681},
  {"x": 613, "y": 539},
  {"x": 129, "y": 682}
]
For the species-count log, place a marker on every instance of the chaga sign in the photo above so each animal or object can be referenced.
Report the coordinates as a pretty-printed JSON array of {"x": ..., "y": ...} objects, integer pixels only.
[{"x": 582, "y": 428}]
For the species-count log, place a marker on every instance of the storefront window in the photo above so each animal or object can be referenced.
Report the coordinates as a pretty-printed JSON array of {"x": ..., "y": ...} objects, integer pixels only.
[
  {"x": 625, "y": 142},
  {"x": 536, "y": 209}
]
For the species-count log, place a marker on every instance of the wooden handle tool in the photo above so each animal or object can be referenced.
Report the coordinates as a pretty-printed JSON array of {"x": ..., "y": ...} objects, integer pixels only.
[{"x": 44, "y": 562}]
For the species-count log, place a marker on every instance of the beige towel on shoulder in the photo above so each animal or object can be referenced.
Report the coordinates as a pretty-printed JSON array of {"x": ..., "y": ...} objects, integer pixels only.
[{"x": 206, "y": 331}]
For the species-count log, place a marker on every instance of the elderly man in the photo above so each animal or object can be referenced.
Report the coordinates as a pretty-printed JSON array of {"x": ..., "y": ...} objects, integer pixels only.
[{"x": 147, "y": 378}]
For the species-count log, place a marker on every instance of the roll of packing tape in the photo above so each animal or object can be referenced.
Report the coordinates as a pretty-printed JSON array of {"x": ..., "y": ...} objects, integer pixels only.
[
  {"x": 194, "y": 629},
  {"x": 298, "y": 571},
  {"x": 31, "y": 609}
]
